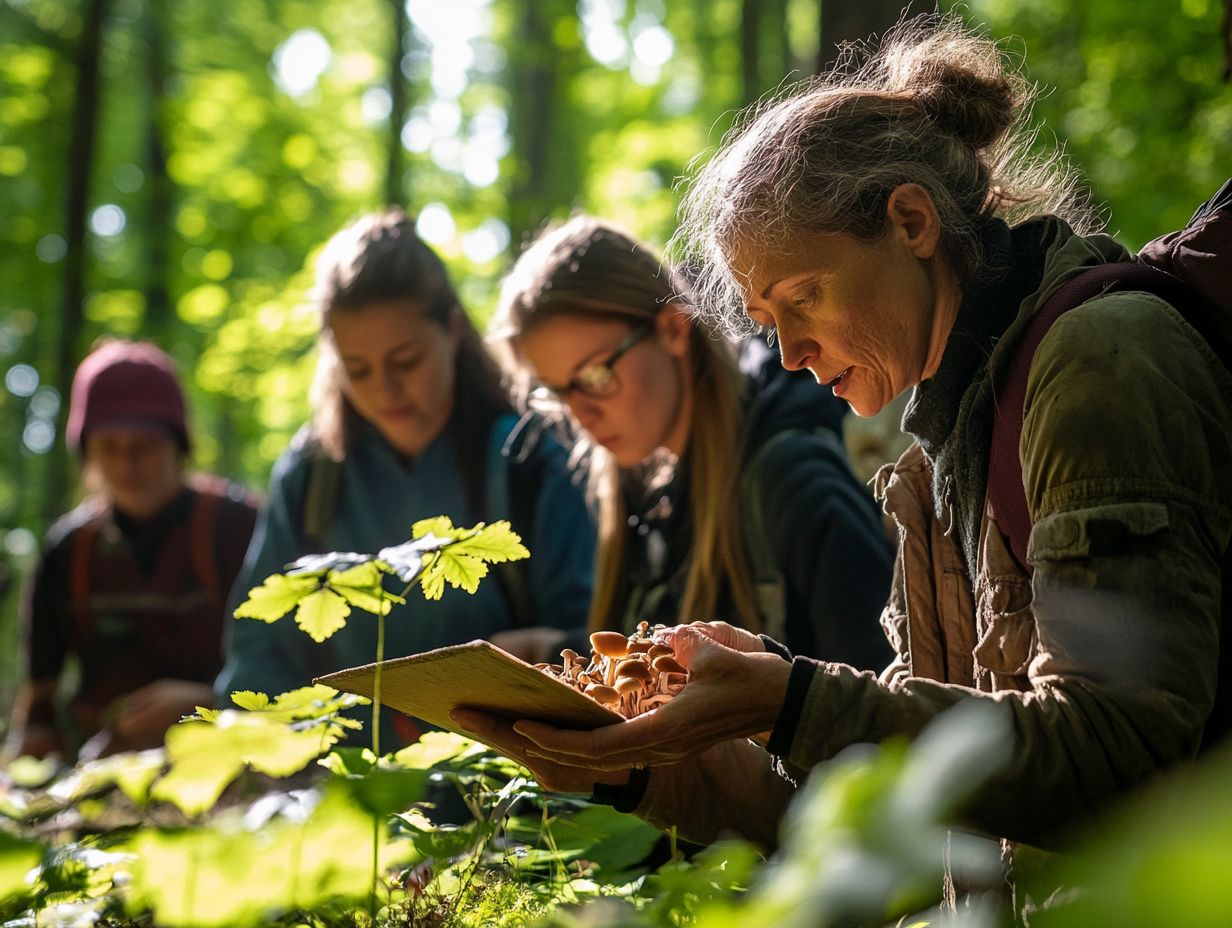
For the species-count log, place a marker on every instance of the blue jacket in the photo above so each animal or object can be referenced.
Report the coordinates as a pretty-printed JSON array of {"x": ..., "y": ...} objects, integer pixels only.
[{"x": 378, "y": 499}]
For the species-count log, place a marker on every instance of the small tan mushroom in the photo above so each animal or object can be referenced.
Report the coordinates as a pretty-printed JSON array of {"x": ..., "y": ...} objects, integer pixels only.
[
  {"x": 665, "y": 663},
  {"x": 639, "y": 645},
  {"x": 657, "y": 650},
  {"x": 636, "y": 669},
  {"x": 602, "y": 694},
  {"x": 609, "y": 644}
]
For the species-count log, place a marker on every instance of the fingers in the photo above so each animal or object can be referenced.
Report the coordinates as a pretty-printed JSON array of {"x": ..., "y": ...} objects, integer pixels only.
[{"x": 642, "y": 740}]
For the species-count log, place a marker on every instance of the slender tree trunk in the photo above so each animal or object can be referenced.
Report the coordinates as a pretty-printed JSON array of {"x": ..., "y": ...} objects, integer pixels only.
[
  {"x": 750, "y": 50},
  {"x": 853, "y": 21},
  {"x": 159, "y": 222},
  {"x": 77, "y": 201},
  {"x": 399, "y": 104},
  {"x": 546, "y": 173}
]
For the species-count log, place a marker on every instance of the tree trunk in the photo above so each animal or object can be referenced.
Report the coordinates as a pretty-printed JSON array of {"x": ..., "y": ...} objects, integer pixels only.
[
  {"x": 851, "y": 21},
  {"x": 77, "y": 201},
  {"x": 750, "y": 50},
  {"x": 399, "y": 104},
  {"x": 545, "y": 148},
  {"x": 159, "y": 220}
]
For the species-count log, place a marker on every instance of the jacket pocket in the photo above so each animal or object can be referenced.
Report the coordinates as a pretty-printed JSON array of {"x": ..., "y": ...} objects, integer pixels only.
[
  {"x": 1007, "y": 636},
  {"x": 1095, "y": 531}
]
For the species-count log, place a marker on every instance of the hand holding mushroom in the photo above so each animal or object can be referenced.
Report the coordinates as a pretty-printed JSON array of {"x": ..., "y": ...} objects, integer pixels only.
[{"x": 729, "y": 694}]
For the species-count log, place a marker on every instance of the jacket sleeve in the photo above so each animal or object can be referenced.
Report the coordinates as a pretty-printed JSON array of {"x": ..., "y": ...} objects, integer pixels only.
[
  {"x": 1127, "y": 449},
  {"x": 733, "y": 788},
  {"x": 561, "y": 543},
  {"x": 827, "y": 538},
  {"x": 265, "y": 657}
]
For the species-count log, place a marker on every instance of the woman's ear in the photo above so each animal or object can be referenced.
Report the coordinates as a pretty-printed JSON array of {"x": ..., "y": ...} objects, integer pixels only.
[
  {"x": 913, "y": 220},
  {"x": 673, "y": 325}
]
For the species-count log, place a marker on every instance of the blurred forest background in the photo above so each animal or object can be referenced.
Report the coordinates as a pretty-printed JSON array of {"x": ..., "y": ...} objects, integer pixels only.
[{"x": 168, "y": 167}]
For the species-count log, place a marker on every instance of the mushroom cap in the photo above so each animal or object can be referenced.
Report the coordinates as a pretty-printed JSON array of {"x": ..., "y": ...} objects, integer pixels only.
[
  {"x": 640, "y": 645},
  {"x": 658, "y": 649},
  {"x": 627, "y": 685},
  {"x": 665, "y": 663},
  {"x": 636, "y": 669},
  {"x": 609, "y": 644},
  {"x": 602, "y": 694}
]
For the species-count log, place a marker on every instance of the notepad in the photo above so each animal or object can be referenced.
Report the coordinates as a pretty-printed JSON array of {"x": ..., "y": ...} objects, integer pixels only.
[{"x": 475, "y": 675}]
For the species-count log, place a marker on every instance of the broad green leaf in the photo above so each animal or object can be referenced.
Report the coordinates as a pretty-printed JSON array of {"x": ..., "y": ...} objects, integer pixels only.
[
  {"x": 432, "y": 580},
  {"x": 433, "y": 747},
  {"x": 205, "y": 758},
  {"x": 382, "y": 791},
  {"x": 344, "y": 762},
  {"x": 322, "y": 613},
  {"x": 247, "y": 699},
  {"x": 232, "y": 876},
  {"x": 441, "y": 526},
  {"x": 462, "y": 570},
  {"x": 131, "y": 771},
  {"x": 277, "y": 596},
  {"x": 17, "y": 858},
  {"x": 361, "y": 587},
  {"x": 494, "y": 543}
]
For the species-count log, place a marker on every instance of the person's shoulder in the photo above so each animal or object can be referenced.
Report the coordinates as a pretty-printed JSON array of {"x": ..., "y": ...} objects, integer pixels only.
[
  {"x": 230, "y": 494},
  {"x": 1124, "y": 332},
  {"x": 91, "y": 509},
  {"x": 533, "y": 442}
]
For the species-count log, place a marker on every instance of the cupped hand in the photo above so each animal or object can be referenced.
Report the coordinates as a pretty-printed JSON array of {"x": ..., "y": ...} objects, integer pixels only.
[
  {"x": 498, "y": 733},
  {"x": 730, "y": 694},
  {"x": 144, "y": 715},
  {"x": 730, "y": 636}
]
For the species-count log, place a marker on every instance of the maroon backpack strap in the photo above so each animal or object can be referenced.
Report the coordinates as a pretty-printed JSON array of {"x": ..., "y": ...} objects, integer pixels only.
[
  {"x": 81, "y": 557},
  {"x": 204, "y": 557},
  {"x": 1006, "y": 493}
]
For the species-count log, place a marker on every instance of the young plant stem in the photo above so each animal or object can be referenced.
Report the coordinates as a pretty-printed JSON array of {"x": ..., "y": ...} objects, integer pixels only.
[{"x": 376, "y": 750}]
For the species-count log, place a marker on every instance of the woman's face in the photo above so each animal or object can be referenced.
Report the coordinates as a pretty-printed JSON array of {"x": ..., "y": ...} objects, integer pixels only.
[
  {"x": 398, "y": 370},
  {"x": 869, "y": 317},
  {"x": 140, "y": 469},
  {"x": 650, "y": 408}
]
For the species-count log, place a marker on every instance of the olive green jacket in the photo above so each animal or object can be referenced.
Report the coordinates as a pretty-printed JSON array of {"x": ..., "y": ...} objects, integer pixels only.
[{"x": 1107, "y": 657}]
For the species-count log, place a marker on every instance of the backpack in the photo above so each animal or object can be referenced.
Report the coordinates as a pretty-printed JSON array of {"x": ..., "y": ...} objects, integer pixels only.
[
  {"x": 1190, "y": 268},
  {"x": 321, "y": 496}
]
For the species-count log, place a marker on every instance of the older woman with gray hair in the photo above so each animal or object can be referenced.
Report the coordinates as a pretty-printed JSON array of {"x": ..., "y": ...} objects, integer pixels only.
[{"x": 893, "y": 230}]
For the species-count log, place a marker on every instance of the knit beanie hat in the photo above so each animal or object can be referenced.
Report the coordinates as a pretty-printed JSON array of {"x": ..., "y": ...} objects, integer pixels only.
[{"x": 126, "y": 383}]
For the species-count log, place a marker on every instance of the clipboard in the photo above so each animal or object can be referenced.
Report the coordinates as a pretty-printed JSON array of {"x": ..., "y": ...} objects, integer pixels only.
[{"x": 475, "y": 675}]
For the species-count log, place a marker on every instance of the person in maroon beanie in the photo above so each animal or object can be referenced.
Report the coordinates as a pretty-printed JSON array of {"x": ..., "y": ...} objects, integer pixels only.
[{"x": 132, "y": 584}]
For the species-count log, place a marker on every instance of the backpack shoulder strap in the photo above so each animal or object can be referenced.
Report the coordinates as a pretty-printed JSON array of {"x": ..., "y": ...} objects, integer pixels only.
[
  {"x": 510, "y": 575},
  {"x": 203, "y": 549},
  {"x": 81, "y": 552},
  {"x": 1006, "y": 493},
  {"x": 320, "y": 497}
]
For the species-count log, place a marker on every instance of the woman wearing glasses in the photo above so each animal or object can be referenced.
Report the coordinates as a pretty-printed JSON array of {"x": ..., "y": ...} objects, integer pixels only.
[
  {"x": 410, "y": 421},
  {"x": 721, "y": 494}
]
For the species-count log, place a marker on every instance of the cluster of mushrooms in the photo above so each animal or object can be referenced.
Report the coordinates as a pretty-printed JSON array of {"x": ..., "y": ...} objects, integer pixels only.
[{"x": 630, "y": 675}]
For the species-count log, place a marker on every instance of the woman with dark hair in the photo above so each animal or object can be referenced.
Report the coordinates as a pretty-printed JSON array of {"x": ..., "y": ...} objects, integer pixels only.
[
  {"x": 722, "y": 482},
  {"x": 409, "y": 421},
  {"x": 897, "y": 231}
]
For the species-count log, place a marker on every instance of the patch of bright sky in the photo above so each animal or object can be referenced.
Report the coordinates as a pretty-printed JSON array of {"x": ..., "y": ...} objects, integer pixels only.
[
  {"x": 486, "y": 242},
  {"x": 376, "y": 105},
  {"x": 601, "y": 31},
  {"x": 300, "y": 61},
  {"x": 107, "y": 220},
  {"x": 435, "y": 224}
]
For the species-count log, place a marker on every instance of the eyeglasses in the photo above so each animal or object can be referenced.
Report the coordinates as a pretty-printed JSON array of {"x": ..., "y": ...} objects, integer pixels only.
[{"x": 598, "y": 379}]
